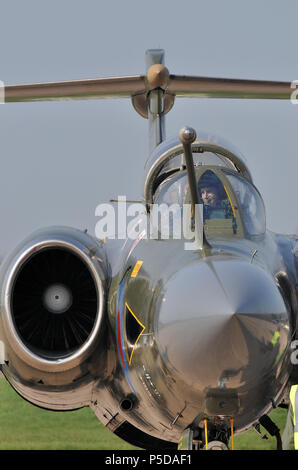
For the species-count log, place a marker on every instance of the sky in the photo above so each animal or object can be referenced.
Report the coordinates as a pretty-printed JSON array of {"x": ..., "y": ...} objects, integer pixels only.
[{"x": 59, "y": 160}]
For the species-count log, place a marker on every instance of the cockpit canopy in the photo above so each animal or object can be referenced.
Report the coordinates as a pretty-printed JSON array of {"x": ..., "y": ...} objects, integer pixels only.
[{"x": 232, "y": 206}]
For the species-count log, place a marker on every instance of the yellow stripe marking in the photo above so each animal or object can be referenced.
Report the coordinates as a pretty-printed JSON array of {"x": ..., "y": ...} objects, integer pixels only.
[
  {"x": 137, "y": 268},
  {"x": 233, "y": 209},
  {"x": 141, "y": 324},
  {"x": 232, "y": 432},
  {"x": 206, "y": 434}
]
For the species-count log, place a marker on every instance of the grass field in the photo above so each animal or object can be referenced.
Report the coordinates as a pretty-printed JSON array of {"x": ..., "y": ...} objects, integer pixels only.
[{"x": 26, "y": 427}]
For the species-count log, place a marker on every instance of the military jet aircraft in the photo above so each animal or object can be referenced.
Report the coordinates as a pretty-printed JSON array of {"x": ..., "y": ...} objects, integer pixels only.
[{"x": 172, "y": 348}]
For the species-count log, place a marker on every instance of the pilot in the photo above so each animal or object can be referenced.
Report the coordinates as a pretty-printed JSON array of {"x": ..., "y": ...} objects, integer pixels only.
[
  {"x": 290, "y": 433},
  {"x": 214, "y": 197}
]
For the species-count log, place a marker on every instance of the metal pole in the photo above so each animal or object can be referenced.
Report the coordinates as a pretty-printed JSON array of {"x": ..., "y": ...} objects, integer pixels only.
[
  {"x": 187, "y": 136},
  {"x": 156, "y": 116}
]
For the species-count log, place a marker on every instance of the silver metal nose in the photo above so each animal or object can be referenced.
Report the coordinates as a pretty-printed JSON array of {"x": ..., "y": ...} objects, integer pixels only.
[{"x": 222, "y": 323}]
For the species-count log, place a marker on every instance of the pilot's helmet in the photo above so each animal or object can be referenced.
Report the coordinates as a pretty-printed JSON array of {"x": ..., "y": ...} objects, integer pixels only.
[{"x": 209, "y": 179}]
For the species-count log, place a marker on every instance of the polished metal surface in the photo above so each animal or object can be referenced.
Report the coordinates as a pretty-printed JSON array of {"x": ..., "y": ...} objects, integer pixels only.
[
  {"x": 217, "y": 332},
  {"x": 156, "y": 118},
  {"x": 208, "y": 87},
  {"x": 124, "y": 87},
  {"x": 157, "y": 77},
  {"x": 154, "y": 56},
  {"x": 85, "y": 249},
  {"x": 177, "y": 338},
  {"x": 187, "y": 136},
  {"x": 215, "y": 445},
  {"x": 140, "y": 103},
  {"x": 113, "y": 87},
  {"x": 160, "y": 160},
  {"x": 216, "y": 340}
]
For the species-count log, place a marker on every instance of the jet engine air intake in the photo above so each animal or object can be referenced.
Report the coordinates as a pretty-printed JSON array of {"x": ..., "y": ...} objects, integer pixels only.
[
  {"x": 54, "y": 299},
  {"x": 56, "y": 314}
]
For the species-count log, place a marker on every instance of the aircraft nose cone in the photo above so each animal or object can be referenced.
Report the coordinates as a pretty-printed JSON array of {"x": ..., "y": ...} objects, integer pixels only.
[{"x": 222, "y": 323}]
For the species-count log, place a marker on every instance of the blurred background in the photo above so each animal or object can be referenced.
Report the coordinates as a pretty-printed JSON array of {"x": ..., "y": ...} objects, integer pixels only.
[{"x": 59, "y": 160}]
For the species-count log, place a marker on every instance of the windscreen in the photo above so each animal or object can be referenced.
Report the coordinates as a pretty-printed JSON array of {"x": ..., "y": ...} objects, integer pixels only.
[
  {"x": 251, "y": 204},
  {"x": 231, "y": 205}
]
